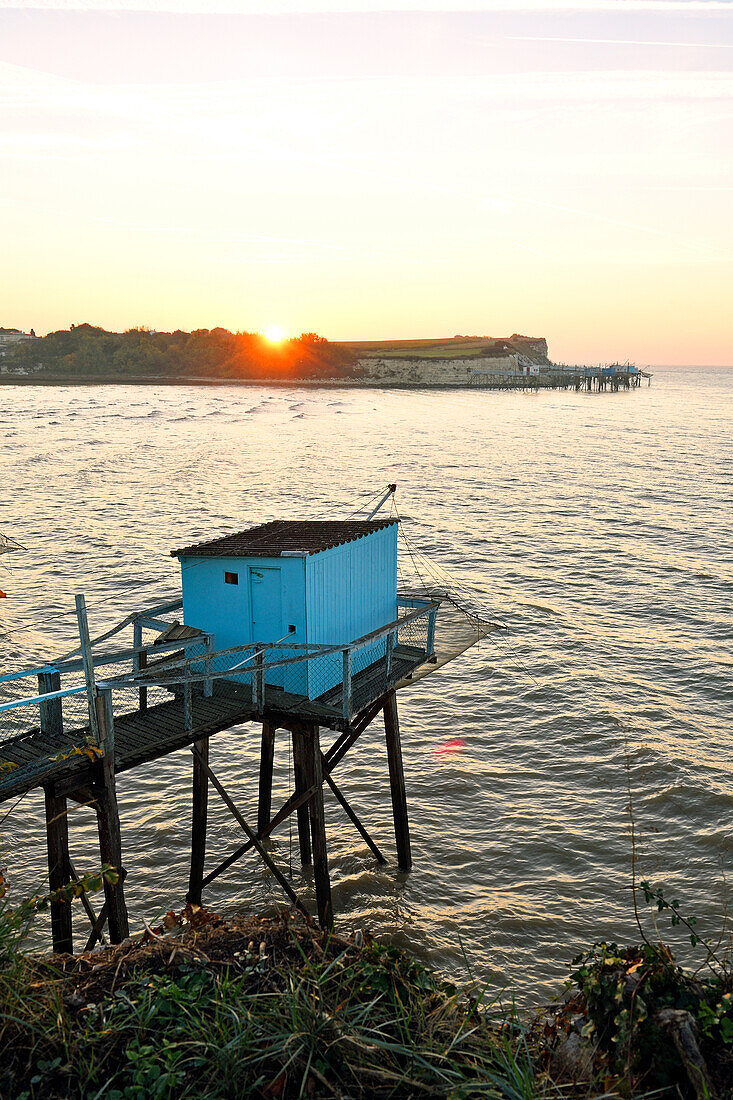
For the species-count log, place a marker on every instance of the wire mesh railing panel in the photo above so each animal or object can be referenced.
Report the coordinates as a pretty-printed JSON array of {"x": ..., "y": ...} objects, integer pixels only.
[
  {"x": 370, "y": 673},
  {"x": 325, "y": 674},
  {"x": 366, "y": 656},
  {"x": 235, "y": 667},
  {"x": 75, "y": 713},
  {"x": 413, "y": 633},
  {"x": 17, "y": 722}
]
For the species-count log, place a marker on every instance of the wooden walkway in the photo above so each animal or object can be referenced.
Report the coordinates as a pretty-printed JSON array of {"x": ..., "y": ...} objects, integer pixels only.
[{"x": 40, "y": 758}]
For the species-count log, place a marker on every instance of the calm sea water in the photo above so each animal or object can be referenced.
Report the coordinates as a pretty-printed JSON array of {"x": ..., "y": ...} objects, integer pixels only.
[{"x": 597, "y": 526}]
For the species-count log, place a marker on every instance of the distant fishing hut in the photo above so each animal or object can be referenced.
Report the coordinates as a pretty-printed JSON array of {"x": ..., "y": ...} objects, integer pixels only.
[{"x": 295, "y": 624}]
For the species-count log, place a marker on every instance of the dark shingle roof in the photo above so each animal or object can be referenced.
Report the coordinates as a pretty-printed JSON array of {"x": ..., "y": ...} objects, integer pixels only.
[{"x": 272, "y": 540}]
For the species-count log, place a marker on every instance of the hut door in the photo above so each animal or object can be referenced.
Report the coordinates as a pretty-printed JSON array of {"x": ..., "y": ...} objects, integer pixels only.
[{"x": 267, "y": 619}]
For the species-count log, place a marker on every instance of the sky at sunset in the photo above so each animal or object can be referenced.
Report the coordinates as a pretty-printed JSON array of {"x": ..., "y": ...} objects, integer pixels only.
[{"x": 473, "y": 168}]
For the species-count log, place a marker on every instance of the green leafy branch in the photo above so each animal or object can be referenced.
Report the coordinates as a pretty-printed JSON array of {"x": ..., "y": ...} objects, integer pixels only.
[{"x": 656, "y": 897}]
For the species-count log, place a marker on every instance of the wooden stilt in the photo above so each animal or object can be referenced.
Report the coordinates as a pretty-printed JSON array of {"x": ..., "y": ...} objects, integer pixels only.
[
  {"x": 279, "y": 876},
  {"x": 301, "y": 784},
  {"x": 397, "y": 782},
  {"x": 199, "y": 813},
  {"x": 314, "y": 774},
  {"x": 267, "y": 756},
  {"x": 57, "y": 825},
  {"x": 108, "y": 821},
  {"x": 108, "y": 826},
  {"x": 57, "y": 836}
]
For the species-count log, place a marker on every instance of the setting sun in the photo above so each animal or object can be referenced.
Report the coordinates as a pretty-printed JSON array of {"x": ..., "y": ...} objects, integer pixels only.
[{"x": 274, "y": 334}]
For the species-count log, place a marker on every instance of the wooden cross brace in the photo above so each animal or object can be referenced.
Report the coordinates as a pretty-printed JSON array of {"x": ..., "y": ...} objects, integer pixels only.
[{"x": 312, "y": 769}]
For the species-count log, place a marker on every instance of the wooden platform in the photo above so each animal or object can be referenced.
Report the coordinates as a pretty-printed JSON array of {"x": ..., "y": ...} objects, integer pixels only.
[{"x": 142, "y": 736}]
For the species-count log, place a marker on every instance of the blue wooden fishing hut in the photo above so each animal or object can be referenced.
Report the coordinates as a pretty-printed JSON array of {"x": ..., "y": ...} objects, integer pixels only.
[
  {"x": 294, "y": 624},
  {"x": 324, "y": 582}
]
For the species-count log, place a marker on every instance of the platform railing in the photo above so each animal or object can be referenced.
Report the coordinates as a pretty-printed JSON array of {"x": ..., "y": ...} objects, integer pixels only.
[
  {"x": 411, "y": 635},
  {"x": 185, "y": 666},
  {"x": 66, "y": 678}
]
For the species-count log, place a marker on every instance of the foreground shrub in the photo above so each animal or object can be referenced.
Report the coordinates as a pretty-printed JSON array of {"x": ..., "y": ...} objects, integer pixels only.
[{"x": 257, "y": 1007}]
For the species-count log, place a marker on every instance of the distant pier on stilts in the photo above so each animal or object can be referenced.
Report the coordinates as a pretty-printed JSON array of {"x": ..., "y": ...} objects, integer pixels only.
[
  {"x": 610, "y": 378},
  {"x": 297, "y": 626}
]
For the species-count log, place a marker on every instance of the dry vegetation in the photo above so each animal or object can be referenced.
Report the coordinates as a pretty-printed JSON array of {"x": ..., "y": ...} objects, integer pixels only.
[{"x": 456, "y": 347}]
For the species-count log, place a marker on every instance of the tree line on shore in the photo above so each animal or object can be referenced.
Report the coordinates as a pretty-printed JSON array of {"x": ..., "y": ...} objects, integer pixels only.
[{"x": 87, "y": 351}]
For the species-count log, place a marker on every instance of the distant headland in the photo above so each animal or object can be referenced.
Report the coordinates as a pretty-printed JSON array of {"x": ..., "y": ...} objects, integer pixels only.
[{"x": 86, "y": 354}]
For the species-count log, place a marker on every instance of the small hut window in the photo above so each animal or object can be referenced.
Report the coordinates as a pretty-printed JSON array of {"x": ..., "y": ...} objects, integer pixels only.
[{"x": 231, "y": 578}]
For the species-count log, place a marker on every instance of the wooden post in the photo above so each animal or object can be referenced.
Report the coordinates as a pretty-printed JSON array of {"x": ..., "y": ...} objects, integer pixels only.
[
  {"x": 87, "y": 661},
  {"x": 430, "y": 640},
  {"x": 143, "y": 692},
  {"x": 346, "y": 686},
  {"x": 314, "y": 777},
  {"x": 108, "y": 821},
  {"x": 140, "y": 660},
  {"x": 57, "y": 824},
  {"x": 208, "y": 682},
  {"x": 301, "y": 784},
  {"x": 57, "y": 838},
  {"x": 199, "y": 813},
  {"x": 258, "y": 682},
  {"x": 267, "y": 756},
  {"x": 397, "y": 782},
  {"x": 187, "y": 703}
]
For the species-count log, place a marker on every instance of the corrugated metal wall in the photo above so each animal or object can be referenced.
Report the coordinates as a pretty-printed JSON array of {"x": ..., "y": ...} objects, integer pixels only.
[{"x": 350, "y": 590}]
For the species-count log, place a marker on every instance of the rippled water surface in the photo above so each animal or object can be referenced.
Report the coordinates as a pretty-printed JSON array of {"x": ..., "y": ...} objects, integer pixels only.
[{"x": 597, "y": 526}]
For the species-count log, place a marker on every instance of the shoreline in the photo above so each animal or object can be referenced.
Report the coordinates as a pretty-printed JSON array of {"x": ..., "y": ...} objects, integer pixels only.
[
  {"x": 290, "y": 383},
  {"x": 279, "y": 383}
]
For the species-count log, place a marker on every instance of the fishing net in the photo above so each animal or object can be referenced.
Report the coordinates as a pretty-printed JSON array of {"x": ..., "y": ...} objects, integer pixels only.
[
  {"x": 461, "y": 621},
  {"x": 7, "y": 544}
]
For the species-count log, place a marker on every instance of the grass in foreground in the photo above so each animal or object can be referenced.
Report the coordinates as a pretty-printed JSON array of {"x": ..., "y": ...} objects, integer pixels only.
[
  {"x": 275, "y": 1008},
  {"x": 261, "y": 1008}
]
